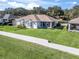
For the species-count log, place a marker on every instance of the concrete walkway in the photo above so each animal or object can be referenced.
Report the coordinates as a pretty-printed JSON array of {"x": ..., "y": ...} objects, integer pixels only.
[{"x": 42, "y": 42}]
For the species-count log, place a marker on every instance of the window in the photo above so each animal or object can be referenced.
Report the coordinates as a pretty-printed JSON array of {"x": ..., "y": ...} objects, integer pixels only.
[{"x": 48, "y": 24}]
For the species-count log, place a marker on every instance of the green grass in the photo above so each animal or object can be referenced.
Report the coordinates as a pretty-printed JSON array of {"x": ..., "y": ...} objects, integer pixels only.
[
  {"x": 54, "y": 35},
  {"x": 16, "y": 49}
]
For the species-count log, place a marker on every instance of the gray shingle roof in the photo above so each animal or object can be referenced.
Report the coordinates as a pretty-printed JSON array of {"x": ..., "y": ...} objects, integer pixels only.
[{"x": 8, "y": 16}]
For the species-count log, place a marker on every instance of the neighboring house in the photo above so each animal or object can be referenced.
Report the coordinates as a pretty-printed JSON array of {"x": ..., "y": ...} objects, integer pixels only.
[
  {"x": 8, "y": 18},
  {"x": 36, "y": 21},
  {"x": 1, "y": 16},
  {"x": 73, "y": 25}
]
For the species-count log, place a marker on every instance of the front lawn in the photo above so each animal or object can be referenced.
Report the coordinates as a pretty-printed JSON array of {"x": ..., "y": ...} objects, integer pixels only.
[
  {"x": 54, "y": 35},
  {"x": 16, "y": 49}
]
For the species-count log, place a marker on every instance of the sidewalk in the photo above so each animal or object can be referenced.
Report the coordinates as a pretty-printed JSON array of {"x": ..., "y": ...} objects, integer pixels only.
[{"x": 42, "y": 42}]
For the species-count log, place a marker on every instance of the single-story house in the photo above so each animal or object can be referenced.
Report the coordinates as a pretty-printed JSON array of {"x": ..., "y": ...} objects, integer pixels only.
[
  {"x": 36, "y": 21},
  {"x": 73, "y": 25},
  {"x": 1, "y": 16},
  {"x": 8, "y": 18}
]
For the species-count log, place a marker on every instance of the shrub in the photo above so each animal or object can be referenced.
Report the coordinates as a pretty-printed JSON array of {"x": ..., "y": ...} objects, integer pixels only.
[
  {"x": 49, "y": 41},
  {"x": 65, "y": 28},
  {"x": 20, "y": 26}
]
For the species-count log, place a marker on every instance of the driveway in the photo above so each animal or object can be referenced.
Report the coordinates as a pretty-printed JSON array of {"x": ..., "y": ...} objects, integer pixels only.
[{"x": 42, "y": 42}]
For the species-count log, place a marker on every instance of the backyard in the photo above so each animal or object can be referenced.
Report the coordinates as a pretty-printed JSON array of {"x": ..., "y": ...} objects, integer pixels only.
[
  {"x": 53, "y": 35},
  {"x": 16, "y": 49}
]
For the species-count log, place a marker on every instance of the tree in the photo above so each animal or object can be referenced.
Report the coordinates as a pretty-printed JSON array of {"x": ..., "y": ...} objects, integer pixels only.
[
  {"x": 55, "y": 11},
  {"x": 76, "y": 11},
  {"x": 67, "y": 14},
  {"x": 20, "y": 12},
  {"x": 51, "y": 11},
  {"x": 39, "y": 10},
  {"x": 72, "y": 13},
  {"x": 16, "y": 11}
]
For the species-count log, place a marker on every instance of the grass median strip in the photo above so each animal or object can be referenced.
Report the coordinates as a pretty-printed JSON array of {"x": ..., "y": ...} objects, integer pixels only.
[{"x": 16, "y": 49}]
